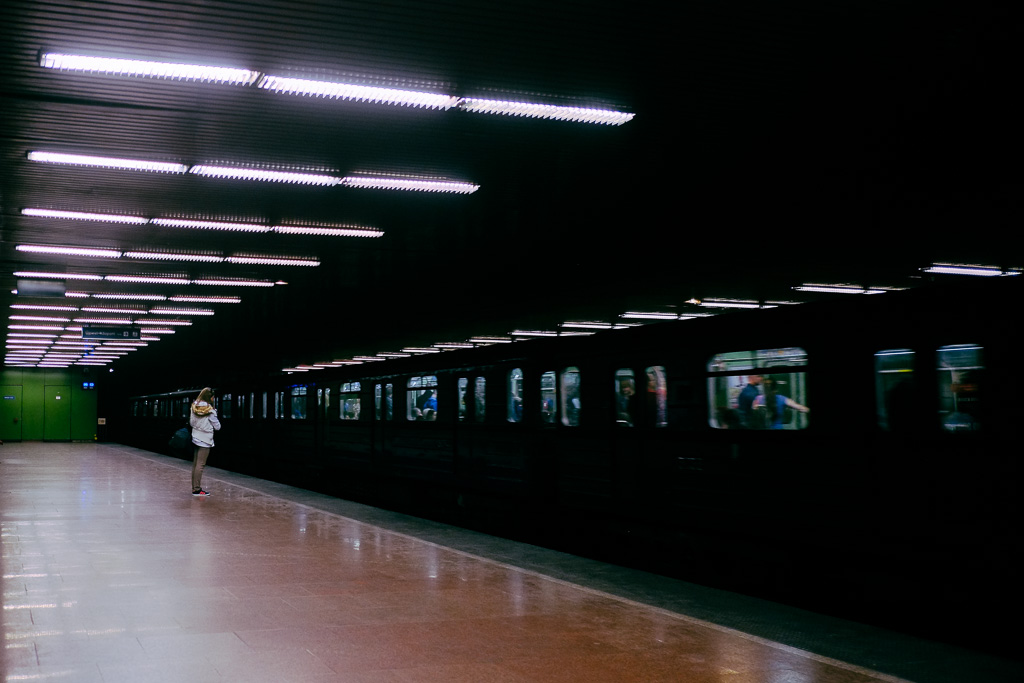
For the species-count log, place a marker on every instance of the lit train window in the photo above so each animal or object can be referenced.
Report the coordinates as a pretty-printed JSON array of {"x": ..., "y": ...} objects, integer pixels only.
[
  {"x": 264, "y": 413},
  {"x": 349, "y": 401},
  {"x": 463, "y": 385},
  {"x": 758, "y": 390},
  {"x": 625, "y": 397},
  {"x": 960, "y": 378},
  {"x": 571, "y": 397},
  {"x": 656, "y": 396},
  {"x": 252, "y": 404},
  {"x": 298, "y": 402},
  {"x": 225, "y": 402},
  {"x": 421, "y": 399},
  {"x": 894, "y": 388},
  {"x": 185, "y": 404},
  {"x": 389, "y": 390},
  {"x": 515, "y": 395},
  {"x": 547, "y": 397},
  {"x": 479, "y": 388},
  {"x": 241, "y": 406}
]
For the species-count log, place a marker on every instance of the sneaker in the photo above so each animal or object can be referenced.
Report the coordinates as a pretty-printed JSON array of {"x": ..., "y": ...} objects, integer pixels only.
[{"x": 200, "y": 493}]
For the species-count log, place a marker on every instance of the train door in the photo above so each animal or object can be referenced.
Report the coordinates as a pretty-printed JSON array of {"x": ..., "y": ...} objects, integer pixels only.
[
  {"x": 10, "y": 413},
  {"x": 57, "y": 413}
]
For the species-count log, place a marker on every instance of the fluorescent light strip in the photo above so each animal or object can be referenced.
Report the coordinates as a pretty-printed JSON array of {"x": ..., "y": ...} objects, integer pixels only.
[
  {"x": 107, "y": 162},
  {"x": 490, "y": 340},
  {"x": 412, "y": 184},
  {"x": 56, "y": 276},
  {"x": 136, "y": 67},
  {"x": 234, "y": 283},
  {"x": 180, "y": 311},
  {"x": 181, "y": 323},
  {"x": 104, "y": 309},
  {"x": 653, "y": 315},
  {"x": 209, "y": 225},
  {"x": 40, "y": 318},
  {"x": 148, "y": 279},
  {"x": 83, "y": 216},
  {"x": 545, "y": 111},
  {"x": 43, "y": 307},
  {"x": 271, "y": 261},
  {"x": 241, "y": 173},
  {"x": 206, "y": 299},
  {"x": 165, "y": 256},
  {"x": 347, "y": 231},
  {"x": 361, "y": 93},
  {"x": 129, "y": 297},
  {"x": 830, "y": 289},
  {"x": 729, "y": 303},
  {"x": 68, "y": 251},
  {"x": 955, "y": 269}
]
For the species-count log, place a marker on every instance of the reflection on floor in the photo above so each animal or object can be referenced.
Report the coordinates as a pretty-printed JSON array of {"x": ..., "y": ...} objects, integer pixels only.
[{"x": 113, "y": 572}]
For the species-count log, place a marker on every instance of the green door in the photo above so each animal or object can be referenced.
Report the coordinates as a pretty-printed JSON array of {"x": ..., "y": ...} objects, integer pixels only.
[
  {"x": 10, "y": 413},
  {"x": 57, "y": 413}
]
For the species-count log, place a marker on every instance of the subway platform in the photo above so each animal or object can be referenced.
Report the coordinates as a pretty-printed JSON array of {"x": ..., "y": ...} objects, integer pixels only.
[{"x": 113, "y": 573}]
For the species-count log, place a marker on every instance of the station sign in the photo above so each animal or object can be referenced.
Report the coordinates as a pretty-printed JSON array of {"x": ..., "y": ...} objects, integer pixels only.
[{"x": 101, "y": 333}]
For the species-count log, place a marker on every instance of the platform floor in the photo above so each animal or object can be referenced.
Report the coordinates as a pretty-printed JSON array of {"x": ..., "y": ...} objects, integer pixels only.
[{"x": 112, "y": 572}]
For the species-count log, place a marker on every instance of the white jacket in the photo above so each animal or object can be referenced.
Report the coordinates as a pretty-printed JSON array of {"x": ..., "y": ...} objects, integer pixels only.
[{"x": 203, "y": 420}]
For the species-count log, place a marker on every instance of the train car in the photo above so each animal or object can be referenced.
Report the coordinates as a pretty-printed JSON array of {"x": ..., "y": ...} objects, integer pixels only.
[{"x": 856, "y": 457}]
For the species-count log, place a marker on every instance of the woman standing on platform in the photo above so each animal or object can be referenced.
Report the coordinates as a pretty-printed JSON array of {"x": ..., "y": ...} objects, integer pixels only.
[{"x": 204, "y": 422}]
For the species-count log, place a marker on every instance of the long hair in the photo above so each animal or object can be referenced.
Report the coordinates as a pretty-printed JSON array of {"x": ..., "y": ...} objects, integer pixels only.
[{"x": 205, "y": 395}]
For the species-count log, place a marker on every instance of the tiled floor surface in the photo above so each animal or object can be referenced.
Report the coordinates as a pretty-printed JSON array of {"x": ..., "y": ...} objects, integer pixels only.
[{"x": 113, "y": 573}]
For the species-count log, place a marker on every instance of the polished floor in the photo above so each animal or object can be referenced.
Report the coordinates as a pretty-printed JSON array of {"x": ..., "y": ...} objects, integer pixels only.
[{"x": 112, "y": 572}]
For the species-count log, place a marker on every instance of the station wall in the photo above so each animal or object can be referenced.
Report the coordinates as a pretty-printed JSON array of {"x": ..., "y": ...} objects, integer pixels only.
[{"x": 48, "y": 404}]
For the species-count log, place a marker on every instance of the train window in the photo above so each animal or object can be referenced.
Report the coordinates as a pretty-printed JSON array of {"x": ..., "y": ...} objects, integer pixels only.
[
  {"x": 265, "y": 413},
  {"x": 656, "y": 396},
  {"x": 571, "y": 397},
  {"x": 758, "y": 389},
  {"x": 625, "y": 393},
  {"x": 463, "y": 385},
  {"x": 389, "y": 391},
  {"x": 421, "y": 399},
  {"x": 225, "y": 402},
  {"x": 547, "y": 397},
  {"x": 252, "y": 404},
  {"x": 479, "y": 387},
  {"x": 186, "y": 404},
  {"x": 960, "y": 376},
  {"x": 894, "y": 388},
  {"x": 515, "y": 395},
  {"x": 241, "y": 405},
  {"x": 349, "y": 401},
  {"x": 298, "y": 402}
]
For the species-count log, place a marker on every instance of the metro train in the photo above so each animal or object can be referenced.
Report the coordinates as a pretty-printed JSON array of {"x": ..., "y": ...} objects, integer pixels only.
[{"x": 856, "y": 457}]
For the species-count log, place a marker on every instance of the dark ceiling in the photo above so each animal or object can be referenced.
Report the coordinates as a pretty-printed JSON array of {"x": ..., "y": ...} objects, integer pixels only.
[{"x": 774, "y": 143}]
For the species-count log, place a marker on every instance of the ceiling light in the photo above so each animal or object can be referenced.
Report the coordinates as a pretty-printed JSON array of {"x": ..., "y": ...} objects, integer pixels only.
[
  {"x": 962, "y": 269},
  {"x": 105, "y": 321},
  {"x": 414, "y": 349},
  {"x": 367, "y": 358},
  {"x": 145, "y": 321},
  {"x": 235, "y": 283},
  {"x": 652, "y": 315},
  {"x": 130, "y": 297},
  {"x": 361, "y": 93},
  {"x": 40, "y": 318},
  {"x": 587, "y": 325},
  {"x": 56, "y": 276},
  {"x": 413, "y": 184},
  {"x": 136, "y": 67},
  {"x": 830, "y": 289},
  {"x": 209, "y": 225},
  {"x": 545, "y": 111},
  {"x": 167, "y": 256},
  {"x": 534, "y": 333},
  {"x": 83, "y": 216},
  {"x": 241, "y": 173},
  {"x": 102, "y": 309},
  {"x": 490, "y": 340},
  {"x": 180, "y": 311},
  {"x": 339, "y": 231},
  {"x": 206, "y": 299},
  {"x": 730, "y": 303},
  {"x": 451, "y": 346},
  {"x": 272, "y": 261},
  {"x": 148, "y": 279},
  {"x": 68, "y": 251},
  {"x": 55, "y": 328},
  {"x": 107, "y": 162},
  {"x": 391, "y": 354},
  {"x": 44, "y": 307}
]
